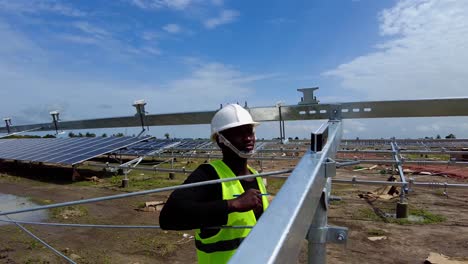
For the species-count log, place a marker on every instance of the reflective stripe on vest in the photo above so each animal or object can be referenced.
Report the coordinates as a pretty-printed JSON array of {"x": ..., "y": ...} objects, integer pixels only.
[{"x": 220, "y": 247}]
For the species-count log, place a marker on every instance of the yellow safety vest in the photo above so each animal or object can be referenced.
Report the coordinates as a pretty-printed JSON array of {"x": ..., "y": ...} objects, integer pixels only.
[{"x": 219, "y": 248}]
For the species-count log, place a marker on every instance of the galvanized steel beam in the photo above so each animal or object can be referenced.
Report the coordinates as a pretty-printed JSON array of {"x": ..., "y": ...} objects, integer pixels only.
[
  {"x": 371, "y": 109},
  {"x": 291, "y": 213}
]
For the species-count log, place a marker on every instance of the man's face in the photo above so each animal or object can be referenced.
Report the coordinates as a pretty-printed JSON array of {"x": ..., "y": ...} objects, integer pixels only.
[{"x": 242, "y": 137}]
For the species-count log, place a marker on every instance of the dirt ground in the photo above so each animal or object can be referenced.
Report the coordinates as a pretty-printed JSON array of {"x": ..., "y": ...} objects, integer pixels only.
[{"x": 402, "y": 242}]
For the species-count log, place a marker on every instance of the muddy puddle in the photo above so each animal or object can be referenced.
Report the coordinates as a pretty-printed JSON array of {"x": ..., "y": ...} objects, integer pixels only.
[{"x": 9, "y": 202}]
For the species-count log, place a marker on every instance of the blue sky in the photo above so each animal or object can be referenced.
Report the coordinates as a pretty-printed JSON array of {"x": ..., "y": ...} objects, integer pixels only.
[{"x": 92, "y": 59}]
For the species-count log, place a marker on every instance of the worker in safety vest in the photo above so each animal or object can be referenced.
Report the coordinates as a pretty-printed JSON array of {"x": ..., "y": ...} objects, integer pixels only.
[{"x": 235, "y": 203}]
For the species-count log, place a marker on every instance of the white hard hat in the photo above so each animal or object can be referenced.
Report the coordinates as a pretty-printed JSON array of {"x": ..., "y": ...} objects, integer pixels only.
[{"x": 231, "y": 115}]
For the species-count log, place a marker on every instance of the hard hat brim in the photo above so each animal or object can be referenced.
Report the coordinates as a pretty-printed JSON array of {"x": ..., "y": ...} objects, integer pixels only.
[{"x": 233, "y": 125}]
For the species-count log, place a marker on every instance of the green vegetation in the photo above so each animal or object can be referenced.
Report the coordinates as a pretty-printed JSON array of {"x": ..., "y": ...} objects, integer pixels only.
[
  {"x": 39, "y": 201},
  {"x": 425, "y": 217},
  {"x": 450, "y": 136},
  {"x": 157, "y": 247},
  {"x": 366, "y": 214},
  {"x": 376, "y": 232},
  {"x": 33, "y": 244},
  {"x": 69, "y": 211},
  {"x": 337, "y": 202},
  {"x": 274, "y": 185},
  {"x": 429, "y": 218},
  {"x": 431, "y": 156},
  {"x": 29, "y": 136}
]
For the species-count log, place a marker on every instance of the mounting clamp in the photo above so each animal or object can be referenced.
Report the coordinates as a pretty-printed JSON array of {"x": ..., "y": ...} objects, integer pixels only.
[
  {"x": 55, "y": 120},
  {"x": 328, "y": 234}
]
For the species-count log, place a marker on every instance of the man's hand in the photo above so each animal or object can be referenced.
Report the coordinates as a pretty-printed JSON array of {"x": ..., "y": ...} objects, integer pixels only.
[{"x": 249, "y": 200}]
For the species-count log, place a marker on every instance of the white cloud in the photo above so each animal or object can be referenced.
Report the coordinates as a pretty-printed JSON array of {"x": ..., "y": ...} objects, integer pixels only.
[
  {"x": 89, "y": 35},
  {"x": 152, "y": 50},
  {"x": 79, "y": 39},
  {"x": 90, "y": 29},
  {"x": 225, "y": 17},
  {"x": 351, "y": 126},
  {"x": 159, "y": 4},
  {"x": 203, "y": 88},
  {"x": 37, "y": 6},
  {"x": 425, "y": 57},
  {"x": 209, "y": 85},
  {"x": 172, "y": 28},
  {"x": 149, "y": 35}
]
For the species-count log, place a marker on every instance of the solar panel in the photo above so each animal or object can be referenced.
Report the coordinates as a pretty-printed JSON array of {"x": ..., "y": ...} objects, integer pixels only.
[
  {"x": 148, "y": 148},
  {"x": 192, "y": 144},
  {"x": 68, "y": 151}
]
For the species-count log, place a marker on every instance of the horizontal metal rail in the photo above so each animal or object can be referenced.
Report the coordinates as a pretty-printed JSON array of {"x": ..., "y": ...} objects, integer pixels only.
[
  {"x": 217, "y": 156},
  {"x": 432, "y": 162},
  {"x": 370, "y": 109},
  {"x": 412, "y": 183},
  {"x": 109, "y": 226},
  {"x": 427, "y": 152},
  {"x": 58, "y": 253},
  {"x": 126, "y": 195},
  {"x": 139, "y": 168}
]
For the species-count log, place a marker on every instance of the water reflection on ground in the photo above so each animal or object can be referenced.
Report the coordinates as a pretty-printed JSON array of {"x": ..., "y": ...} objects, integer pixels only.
[{"x": 9, "y": 202}]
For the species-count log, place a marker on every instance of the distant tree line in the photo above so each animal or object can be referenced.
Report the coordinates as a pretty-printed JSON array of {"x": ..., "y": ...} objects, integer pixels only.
[
  {"x": 449, "y": 136},
  {"x": 30, "y": 136},
  {"x": 88, "y": 134}
]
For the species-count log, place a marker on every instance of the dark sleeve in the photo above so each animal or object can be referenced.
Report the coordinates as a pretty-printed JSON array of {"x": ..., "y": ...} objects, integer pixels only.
[{"x": 195, "y": 207}]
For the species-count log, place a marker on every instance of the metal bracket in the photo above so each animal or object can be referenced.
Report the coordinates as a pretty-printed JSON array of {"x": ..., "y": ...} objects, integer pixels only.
[
  {"x": 55, "y": 120},
  {"x": 308, "y": 97},
  {"x": 141, "y": 112},
  {"x": 319, "y": 138},
  {"x": 337, "y": 234},
  {"x": 335, "y": 112},
  {"x": 330, "y": 168},
  {"x": 328, "y": 234},
  {"x": 333, "y": 198},
  {"x": 7, "y": 123},
  {"x": 347, "y": 163}
]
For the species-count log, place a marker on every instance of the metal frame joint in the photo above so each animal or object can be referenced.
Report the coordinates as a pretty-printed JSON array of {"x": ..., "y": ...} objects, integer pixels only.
[
  {"x": 330, "y": 168},
  {"x": 327, "y": 235}
]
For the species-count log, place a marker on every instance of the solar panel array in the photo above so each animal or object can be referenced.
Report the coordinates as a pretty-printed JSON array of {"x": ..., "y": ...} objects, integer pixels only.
[
  {"x": 181, "y": 145},
  {"x": 192, "y": 144},
  {"x": 150, "y": 147},
  {"x": 69, "y": 151},
  {"x": 158, "y": 145},
  {"x": 428, "y": 144}
]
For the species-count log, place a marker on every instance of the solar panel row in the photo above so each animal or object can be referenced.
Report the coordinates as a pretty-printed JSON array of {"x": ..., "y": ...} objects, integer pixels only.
[
  {"x": 159, "y": 145},
  {"x": 68, "y": 151}
]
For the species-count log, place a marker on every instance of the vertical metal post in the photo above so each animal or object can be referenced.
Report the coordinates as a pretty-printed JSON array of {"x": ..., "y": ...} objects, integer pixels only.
[
  {"x": 55, "y": 119},
  {"x": 140, "y": 108},
  {"x": 317, "y": 236},
  {"x": 284, "y": 132},
  {"x": 281, "y": 124},
  {"x": 7, "y": 124}
]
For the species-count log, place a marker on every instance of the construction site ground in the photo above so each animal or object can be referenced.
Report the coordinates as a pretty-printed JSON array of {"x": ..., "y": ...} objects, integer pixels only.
[{"x": 440, "y": 225}]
